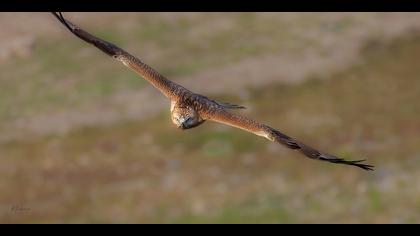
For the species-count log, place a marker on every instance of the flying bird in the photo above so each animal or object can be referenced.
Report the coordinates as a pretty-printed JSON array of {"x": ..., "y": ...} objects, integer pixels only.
[{"x": 189, "y": 109}]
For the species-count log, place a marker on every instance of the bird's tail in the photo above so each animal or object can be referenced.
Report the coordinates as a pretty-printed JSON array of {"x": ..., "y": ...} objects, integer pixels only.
[{"x": 230, "y": 106}]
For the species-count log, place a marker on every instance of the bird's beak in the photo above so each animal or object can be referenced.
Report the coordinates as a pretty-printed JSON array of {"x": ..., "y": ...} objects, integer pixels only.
[{"x": 181, "y": 123}]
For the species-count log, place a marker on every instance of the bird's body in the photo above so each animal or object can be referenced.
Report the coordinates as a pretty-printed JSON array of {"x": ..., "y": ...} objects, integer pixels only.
[{"x": 189, "y": 109}]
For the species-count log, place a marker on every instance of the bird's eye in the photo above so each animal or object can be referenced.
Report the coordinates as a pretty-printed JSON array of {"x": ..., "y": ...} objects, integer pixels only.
[
  {"x": 189, "y": 120},
  {"x": 115, "y": 57}
]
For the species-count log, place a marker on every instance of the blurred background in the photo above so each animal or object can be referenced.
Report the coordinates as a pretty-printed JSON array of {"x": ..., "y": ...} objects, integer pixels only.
[{"x": 85, "y": 140}]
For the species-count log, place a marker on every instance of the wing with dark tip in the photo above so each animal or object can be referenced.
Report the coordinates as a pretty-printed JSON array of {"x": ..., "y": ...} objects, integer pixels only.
[
  {"x": 207, "y": 108},
  {"x": 167, "y": 87},
  {"x": 225, "y": 117}
]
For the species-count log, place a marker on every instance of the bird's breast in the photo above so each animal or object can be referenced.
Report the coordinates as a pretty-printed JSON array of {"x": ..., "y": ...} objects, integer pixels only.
[{"x": 173, "y": 103}]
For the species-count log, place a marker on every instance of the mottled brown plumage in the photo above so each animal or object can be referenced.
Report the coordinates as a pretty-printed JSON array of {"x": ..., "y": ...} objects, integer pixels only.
[{"x": 189, "y": 109}]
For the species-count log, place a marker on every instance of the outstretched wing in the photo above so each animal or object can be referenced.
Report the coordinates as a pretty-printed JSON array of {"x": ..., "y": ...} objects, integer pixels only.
[
  {"x": 225, "y": 117},
  {"x": 167, "y": 87}
]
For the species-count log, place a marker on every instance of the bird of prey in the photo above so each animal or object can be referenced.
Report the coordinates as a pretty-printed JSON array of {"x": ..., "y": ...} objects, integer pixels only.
[{"x": 189, "y": 109}]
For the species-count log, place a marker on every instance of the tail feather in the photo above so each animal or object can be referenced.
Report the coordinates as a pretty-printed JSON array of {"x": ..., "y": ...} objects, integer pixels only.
[{"x": 230, "y": 106}]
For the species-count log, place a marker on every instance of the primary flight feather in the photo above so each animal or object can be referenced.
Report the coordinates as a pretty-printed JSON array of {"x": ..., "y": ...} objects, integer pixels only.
[{"x": 189, "y": 109}]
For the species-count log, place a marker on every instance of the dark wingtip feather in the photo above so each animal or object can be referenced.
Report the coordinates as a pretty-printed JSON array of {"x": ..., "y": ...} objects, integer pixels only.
[
  {"x": 107, "y": 47},
  {"x": 313, "y": 153},
  {"x": 60, "y": 17},
  {"x": 347, "y": 162}
]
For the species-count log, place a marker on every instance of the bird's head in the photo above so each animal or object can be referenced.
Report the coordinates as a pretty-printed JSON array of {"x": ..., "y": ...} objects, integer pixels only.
[{"x": 185, "y": 117}]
